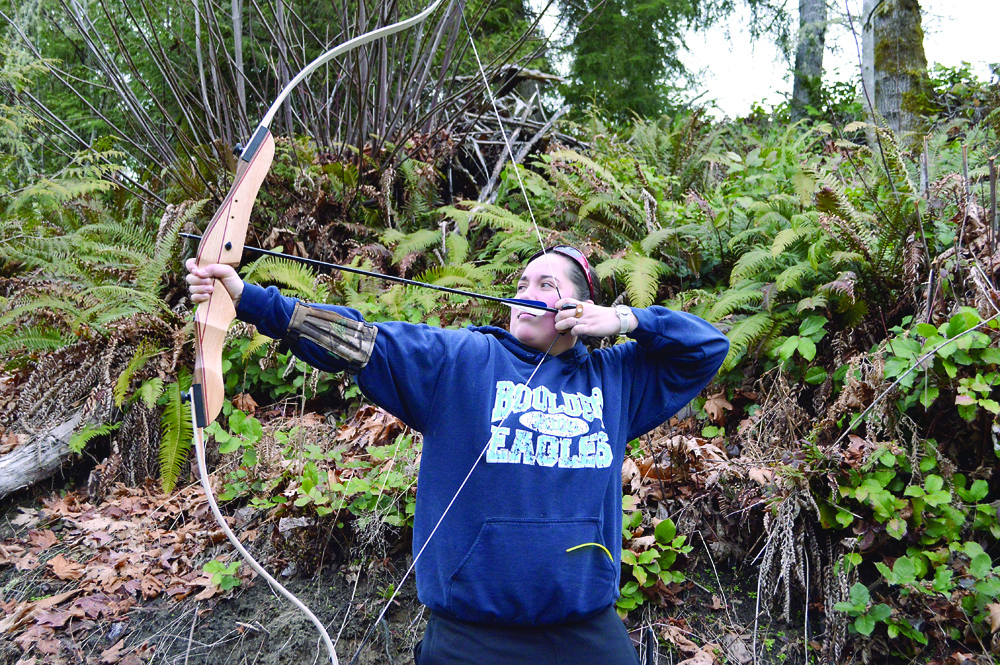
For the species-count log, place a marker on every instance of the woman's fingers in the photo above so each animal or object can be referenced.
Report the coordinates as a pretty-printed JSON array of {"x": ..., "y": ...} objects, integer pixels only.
[
  {"x": 202, "y": 279},
  {"x": 585, "y": 319}
]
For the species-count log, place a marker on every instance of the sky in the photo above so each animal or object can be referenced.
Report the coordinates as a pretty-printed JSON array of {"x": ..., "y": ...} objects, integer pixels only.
[{"x": 736, "y": 72}]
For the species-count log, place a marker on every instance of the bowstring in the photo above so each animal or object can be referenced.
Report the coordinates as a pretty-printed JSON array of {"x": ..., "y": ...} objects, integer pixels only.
[{"x": 524, "y": 192}]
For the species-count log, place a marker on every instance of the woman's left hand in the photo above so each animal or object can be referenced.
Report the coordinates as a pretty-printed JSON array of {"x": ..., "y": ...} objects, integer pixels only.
[{"x": 588, "y": 319}]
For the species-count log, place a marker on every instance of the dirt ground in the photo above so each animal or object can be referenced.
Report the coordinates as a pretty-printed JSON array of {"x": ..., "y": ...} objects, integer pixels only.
[{"x": 715, "y": 609}]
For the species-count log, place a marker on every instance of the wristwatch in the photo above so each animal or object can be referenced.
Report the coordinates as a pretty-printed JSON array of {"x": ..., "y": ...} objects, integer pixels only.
[{"x": 624, "y": 314}]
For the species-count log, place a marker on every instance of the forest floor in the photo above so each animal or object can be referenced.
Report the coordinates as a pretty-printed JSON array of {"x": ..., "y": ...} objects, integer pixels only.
[{"x": 122, "y": 582}]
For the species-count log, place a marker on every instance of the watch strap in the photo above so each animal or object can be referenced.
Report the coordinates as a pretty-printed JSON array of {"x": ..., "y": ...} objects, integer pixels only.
[{"x": 624, "y": 313}]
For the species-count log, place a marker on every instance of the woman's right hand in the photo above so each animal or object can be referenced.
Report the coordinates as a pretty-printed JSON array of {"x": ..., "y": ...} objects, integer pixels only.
[{"x": 201, "y": 281}]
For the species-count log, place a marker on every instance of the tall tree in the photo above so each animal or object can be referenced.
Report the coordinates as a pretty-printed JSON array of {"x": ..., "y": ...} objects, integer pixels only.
[
  {"x": 895, "y": 66},
  {"x": 626, "y": 53},
  {"x": 623, "y": 52},
  {"x": 809, "y": 56}
]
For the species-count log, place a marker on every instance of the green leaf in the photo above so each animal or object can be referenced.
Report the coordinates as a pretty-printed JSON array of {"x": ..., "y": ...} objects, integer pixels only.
[
  {"x": 859, "y": 595},
  {"x": 807, "y": 348},
  {"x": 665, "y": 531},
  {"x": 965, "y": 319},
  {"x": 978, "y": 491},
  {"x": 926, "y": 330},
  {"x": 981, "y": 566},
  {"x": 815, "y": 376},
  {"x": 928, "y": 396},
  {"x": 812, "y": 327},
  {"x": 990, "y": 356},
  {"x": 904, "y": 571},
  {"x": 933, "y": 483},
  {"x": 880, "y": 612},
  {"x": 990, "y": 405},
  {"x": 232, "y": 444},
  {"x": 786, "y": 350},
  {"x": 865, "y": 624}
]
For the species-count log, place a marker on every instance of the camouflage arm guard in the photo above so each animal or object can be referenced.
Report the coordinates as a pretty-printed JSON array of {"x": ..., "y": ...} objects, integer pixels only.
[{"x": 347, "y": 339}]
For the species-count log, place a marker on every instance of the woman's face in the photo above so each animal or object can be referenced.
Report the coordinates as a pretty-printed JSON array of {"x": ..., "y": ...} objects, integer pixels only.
[{"x": 543, "y": 279}]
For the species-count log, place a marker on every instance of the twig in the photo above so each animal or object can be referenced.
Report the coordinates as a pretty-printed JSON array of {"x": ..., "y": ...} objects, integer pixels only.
[
  {"x": 717, "y": 580},
  {"x": 194, "y": 620}
]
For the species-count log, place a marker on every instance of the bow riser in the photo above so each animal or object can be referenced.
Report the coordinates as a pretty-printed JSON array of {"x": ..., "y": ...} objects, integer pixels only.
[{"x": 223, "y": 243}]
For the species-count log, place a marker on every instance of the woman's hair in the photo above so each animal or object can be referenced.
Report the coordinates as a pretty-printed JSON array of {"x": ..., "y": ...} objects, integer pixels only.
[
  {"x": 581, "y": 275},
  {"x": 580, "y": 285}
]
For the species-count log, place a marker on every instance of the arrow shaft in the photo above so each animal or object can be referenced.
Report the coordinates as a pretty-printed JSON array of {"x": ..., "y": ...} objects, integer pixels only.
[{"x": 513, "y": 302}]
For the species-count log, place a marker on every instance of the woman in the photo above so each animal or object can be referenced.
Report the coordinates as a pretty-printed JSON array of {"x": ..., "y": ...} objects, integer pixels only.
[{"x": 525, "y": 565}]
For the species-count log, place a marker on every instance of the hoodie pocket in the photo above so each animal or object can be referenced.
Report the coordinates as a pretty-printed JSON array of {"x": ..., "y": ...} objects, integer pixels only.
[{"x": 519, "y": 571}]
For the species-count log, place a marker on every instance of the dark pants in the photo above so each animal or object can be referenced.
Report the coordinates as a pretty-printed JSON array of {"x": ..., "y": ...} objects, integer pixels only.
[{"x": 598, "y": 640}]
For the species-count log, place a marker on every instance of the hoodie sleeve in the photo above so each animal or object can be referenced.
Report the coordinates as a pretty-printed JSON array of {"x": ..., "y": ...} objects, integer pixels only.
[
  {"x": 676, "y": 355},
  {"x": 406, "y": 362}
]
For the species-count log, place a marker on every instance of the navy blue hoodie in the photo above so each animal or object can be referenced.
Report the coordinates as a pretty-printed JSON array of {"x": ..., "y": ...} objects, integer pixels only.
[{"x": 550, "y": 481}]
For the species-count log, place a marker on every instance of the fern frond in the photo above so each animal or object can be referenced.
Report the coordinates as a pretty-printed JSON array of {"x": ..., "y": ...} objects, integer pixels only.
[
  {"x": 258, "y": 341},
  {"x": 293, "y": 278},
  {"x": 177, "y": 430},
  {"x": 32, "y": 338},
  {"x": 144, "y": 352},
  {"x": 458, "y": 248},
  {"x": 734, "y": 300},
  {"x": 657, "y": 238},
  {"x": 751, "y": 264},
  {"x": 745, "y": 238},
  {"x": 791, "y": 277},
  {"x": 80, "y": 439},
  {"x": 816, "y": 301},
  {"x": 787, "y": 238},
  {"x": 415, "y": 243},
  {"x": 743, "y": 334},
  {"x": 38, "y": 306},
  {"x": 840, "y": 258},
  {"x": 490, "y": 215},
  {"x": 843, "y": 285},
  {"x": 642, "y": 279},
  {"x": 150, "y": 275}
]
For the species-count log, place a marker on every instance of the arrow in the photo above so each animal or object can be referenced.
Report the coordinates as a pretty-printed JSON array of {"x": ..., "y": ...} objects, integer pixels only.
[{"x": 536, "y": 307}]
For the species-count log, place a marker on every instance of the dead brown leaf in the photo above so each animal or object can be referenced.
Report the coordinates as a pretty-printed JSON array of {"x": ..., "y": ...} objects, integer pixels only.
[
  {"x": 11, "y": 441},
  {"x": 27, "y": 517},
  {"x": 676, "y": 636},
  {"x": 716, "y": 407},
  {"x": 994, "y": 616},
  {"x": 53, "y": 618},
  {"x": 10, "y": 553},
  {"x": 41, "y": 540},
  {"x": 65, "y": 569},
  {"x": 245, "y": 403},
  {"x": 28, "y": 562},
  {"x": 113, "y": 654},
  {"x": 762, "y": 477}
]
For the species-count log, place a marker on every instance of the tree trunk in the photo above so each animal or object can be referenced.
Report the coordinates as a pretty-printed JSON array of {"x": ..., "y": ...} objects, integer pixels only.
[
  {"x": 809, "y": 56},
  {"x": 899, "y": 66},
  {"x": 39, "y": 458},
  {"x": 241, "y": 88}
]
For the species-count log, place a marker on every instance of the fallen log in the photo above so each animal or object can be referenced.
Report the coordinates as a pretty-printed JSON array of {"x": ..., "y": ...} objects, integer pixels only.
[{"x": 38, "y": 458}]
